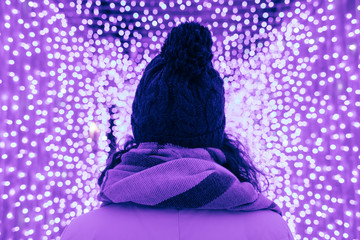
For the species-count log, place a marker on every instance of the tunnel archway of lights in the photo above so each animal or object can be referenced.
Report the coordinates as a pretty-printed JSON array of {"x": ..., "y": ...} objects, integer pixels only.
[{"x": 291, "y": 73}]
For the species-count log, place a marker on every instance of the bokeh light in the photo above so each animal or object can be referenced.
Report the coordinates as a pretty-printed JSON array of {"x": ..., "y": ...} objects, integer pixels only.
[{"x": 291, "y": 73}]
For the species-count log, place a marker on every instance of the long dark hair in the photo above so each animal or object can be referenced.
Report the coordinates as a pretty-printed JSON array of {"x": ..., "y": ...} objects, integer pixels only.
[{"x": 238, "y": 161}]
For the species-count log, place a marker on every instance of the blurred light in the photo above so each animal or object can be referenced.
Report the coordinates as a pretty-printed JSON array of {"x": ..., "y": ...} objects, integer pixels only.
[{"x": 291, "y": 89}]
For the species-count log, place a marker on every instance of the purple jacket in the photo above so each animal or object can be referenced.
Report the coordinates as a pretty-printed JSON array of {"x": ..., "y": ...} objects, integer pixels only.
[{"x": 126, "y": 221}]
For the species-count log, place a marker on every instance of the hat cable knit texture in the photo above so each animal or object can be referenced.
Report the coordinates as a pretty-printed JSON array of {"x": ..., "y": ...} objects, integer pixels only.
[{"x": 180, "y": 97}]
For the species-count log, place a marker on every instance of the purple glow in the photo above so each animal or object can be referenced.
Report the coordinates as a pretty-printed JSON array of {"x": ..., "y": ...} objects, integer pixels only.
[{"x": 292, "y": 88}]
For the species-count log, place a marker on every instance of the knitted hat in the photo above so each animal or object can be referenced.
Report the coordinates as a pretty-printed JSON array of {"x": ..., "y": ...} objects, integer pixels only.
[{"x": 180, "y": 97}]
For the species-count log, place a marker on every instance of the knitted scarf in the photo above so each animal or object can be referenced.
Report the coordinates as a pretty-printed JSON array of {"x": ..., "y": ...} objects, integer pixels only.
[{"x": 176, "y": 177}]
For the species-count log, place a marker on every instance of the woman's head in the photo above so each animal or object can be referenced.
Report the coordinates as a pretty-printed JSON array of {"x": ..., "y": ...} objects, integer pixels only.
[
  {"x": 180, "y": 97},
  {"x": 180, "y": 100}
]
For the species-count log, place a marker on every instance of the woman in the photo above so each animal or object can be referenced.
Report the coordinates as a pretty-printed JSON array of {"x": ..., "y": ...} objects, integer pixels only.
[{"x": 181, "y": 176}]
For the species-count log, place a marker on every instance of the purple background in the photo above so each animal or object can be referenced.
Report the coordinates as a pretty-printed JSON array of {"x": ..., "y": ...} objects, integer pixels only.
[{"x": 291, "y": 72}]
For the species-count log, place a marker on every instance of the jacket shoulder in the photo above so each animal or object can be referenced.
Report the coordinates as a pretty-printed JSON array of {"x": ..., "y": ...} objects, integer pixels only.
[
  {"x": 123, "y": 222},
  {"x": 264, "y": 225}
]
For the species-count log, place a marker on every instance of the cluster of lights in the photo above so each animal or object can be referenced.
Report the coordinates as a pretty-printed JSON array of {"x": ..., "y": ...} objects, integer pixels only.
[{"x": 291, "y": 76}]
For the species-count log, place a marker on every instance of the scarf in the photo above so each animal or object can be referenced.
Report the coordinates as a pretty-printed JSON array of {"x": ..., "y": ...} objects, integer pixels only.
[{"x": 177, "y": 177}]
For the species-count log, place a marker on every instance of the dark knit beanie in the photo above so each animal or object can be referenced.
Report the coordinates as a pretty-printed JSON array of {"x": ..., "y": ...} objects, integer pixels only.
[{"x": 180, "y": 97}]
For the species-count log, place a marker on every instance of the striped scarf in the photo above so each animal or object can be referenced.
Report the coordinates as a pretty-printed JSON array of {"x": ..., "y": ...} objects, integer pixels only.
[{"x": 177, "y": 177}]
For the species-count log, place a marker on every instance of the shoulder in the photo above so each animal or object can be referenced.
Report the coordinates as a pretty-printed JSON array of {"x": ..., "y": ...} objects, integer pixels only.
[
  {"x": 82, "y": 227},
  {"x": 264, "y": 225},
  {"x": 268, "y": 224},
  {"x": 90, "y": 225},
  {"x": 122, "y": 220}
]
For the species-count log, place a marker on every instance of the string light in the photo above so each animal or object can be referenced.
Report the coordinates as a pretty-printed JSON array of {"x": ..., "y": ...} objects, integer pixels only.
[{"x": 290, "y": 73}]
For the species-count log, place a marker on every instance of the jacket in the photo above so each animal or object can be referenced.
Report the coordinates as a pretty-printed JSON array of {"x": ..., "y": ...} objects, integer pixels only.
[{"x": 134, "y": 222}]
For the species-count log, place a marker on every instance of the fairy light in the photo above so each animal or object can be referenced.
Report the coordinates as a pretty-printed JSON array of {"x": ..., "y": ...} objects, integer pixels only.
[{"x": 291, "y": 87}]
